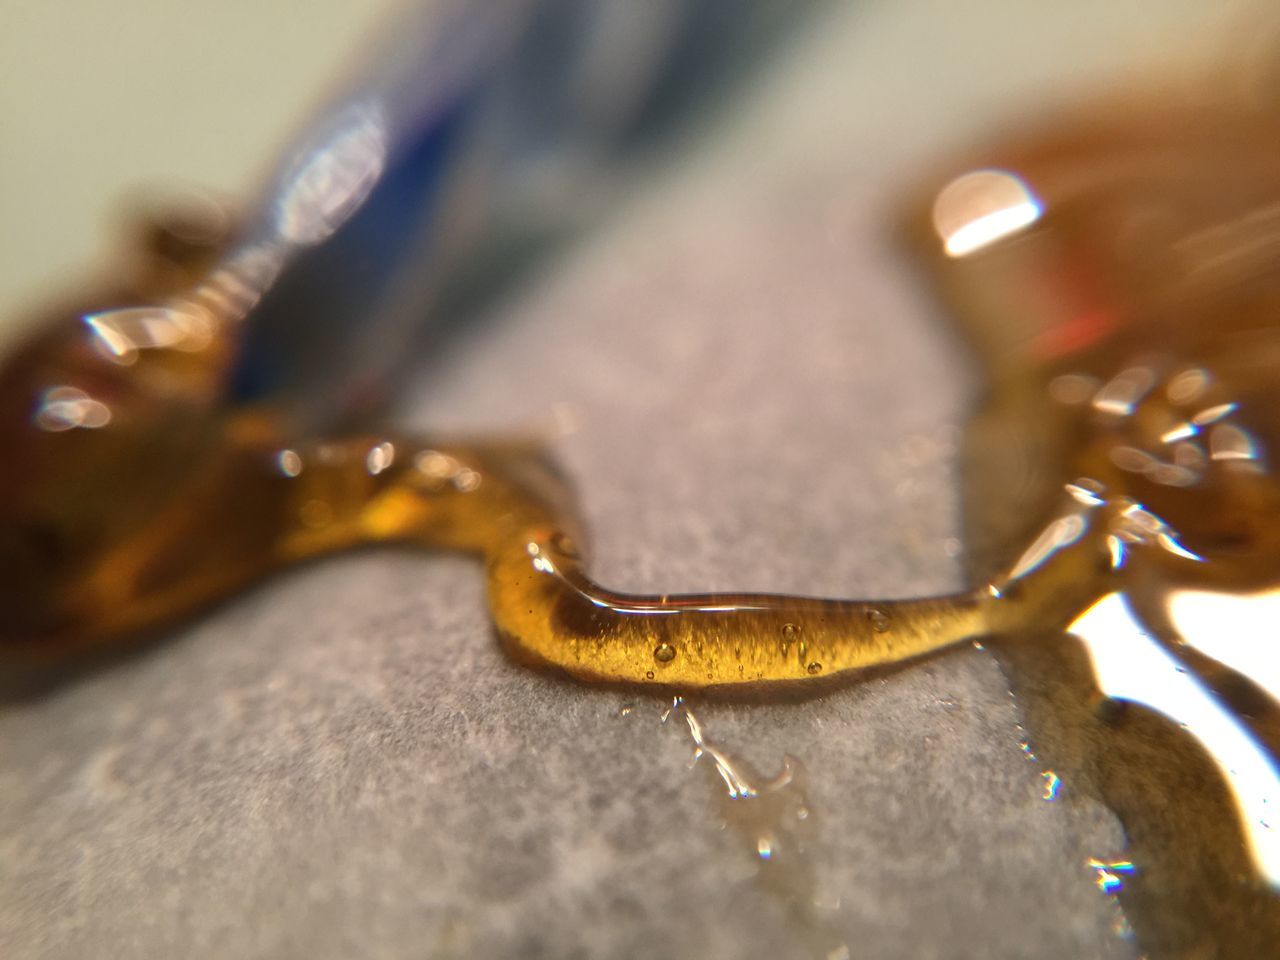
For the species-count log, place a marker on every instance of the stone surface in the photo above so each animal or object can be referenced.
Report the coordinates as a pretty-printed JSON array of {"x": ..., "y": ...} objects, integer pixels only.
[{"x": 749, "y": 392}]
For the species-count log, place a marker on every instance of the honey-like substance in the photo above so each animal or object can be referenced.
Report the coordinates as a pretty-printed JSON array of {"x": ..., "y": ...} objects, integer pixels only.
[
  {"x": 1122, "y": 293},
  {"x": 258, "y": 507},
  {"x": 1119, "y": 279}
]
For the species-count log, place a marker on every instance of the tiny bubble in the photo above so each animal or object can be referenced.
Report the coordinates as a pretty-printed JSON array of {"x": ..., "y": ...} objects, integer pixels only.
[
  {"x": 814, "y": 667},
  {"x": 648, "y": 675},
  {"x": 878, "y": 619},
  {"x": 664, "y": 653}
]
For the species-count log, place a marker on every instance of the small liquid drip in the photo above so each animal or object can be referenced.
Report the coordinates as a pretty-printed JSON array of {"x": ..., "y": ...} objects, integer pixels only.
[{"x": 776, "y": 827}]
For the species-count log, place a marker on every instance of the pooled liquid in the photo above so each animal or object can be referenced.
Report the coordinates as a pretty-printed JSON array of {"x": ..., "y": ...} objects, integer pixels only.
[{"x": 1123, "y": 539}]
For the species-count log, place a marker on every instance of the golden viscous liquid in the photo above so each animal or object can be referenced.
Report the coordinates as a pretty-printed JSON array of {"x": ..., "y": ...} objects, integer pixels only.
[
  {"x": 1119, "y": 282},
  {"x": 1119, "y": 279}
]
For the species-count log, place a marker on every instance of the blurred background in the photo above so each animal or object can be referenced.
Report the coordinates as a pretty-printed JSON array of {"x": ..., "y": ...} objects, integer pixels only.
[
  {"x": 102, "y": 101},
  {"x": 750, "y": 390}
]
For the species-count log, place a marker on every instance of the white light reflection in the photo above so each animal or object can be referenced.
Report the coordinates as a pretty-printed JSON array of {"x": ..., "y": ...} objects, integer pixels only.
[
  {"x": 236, "y": 286},
  {"x": 975, "y": 210},
  {"x": 333, "y": 180},
  {"x": 1130, "y": 665},
  {"x": 1183, "y": 431},
  {"x": 1213, "y": 414},
  {"x": 1117, "y": 551},
  {"x": 438, "y": 466},
  {"x": 1122, "y": 393},
  {"x": 1136, "y": 524},
  {"x": 380, "y": 457},
  {"x": 1237, "y": 630},
  {"x": 1187, "y": 386},
  {"x": 1086, "y": 492},
  {"x": 66, "y": 408},
  {"x": 1229, "y": 442},
  {"x": 120, "y": 334},
  {"x": 1060, "y": 533},
  {"x": 543, "y": 564}
]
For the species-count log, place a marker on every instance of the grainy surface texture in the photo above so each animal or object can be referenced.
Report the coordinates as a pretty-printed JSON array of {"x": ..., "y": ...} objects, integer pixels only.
[{"x": 749, "y": 393}]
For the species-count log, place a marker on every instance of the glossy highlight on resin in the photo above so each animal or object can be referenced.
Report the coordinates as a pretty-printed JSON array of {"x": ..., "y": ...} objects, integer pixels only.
[
  {"x": 774, "y": 820},
  {"x": 1123, "y": 299},
  {"x": 1118, "y": 278}
]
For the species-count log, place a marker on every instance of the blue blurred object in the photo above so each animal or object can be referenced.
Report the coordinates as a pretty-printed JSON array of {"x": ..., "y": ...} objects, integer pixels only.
[{"x": 476, "y": 135}]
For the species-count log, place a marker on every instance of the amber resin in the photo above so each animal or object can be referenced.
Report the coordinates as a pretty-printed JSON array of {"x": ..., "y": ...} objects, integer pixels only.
[{"x": 1118, "y": 280}]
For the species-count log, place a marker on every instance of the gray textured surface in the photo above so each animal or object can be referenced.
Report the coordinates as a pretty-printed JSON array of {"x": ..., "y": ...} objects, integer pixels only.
[{"x": 751, "y": 396}]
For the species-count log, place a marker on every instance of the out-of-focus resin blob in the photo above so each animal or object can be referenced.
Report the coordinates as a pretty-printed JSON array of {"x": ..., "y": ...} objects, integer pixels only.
[{"x": 1119, "y": 281}]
